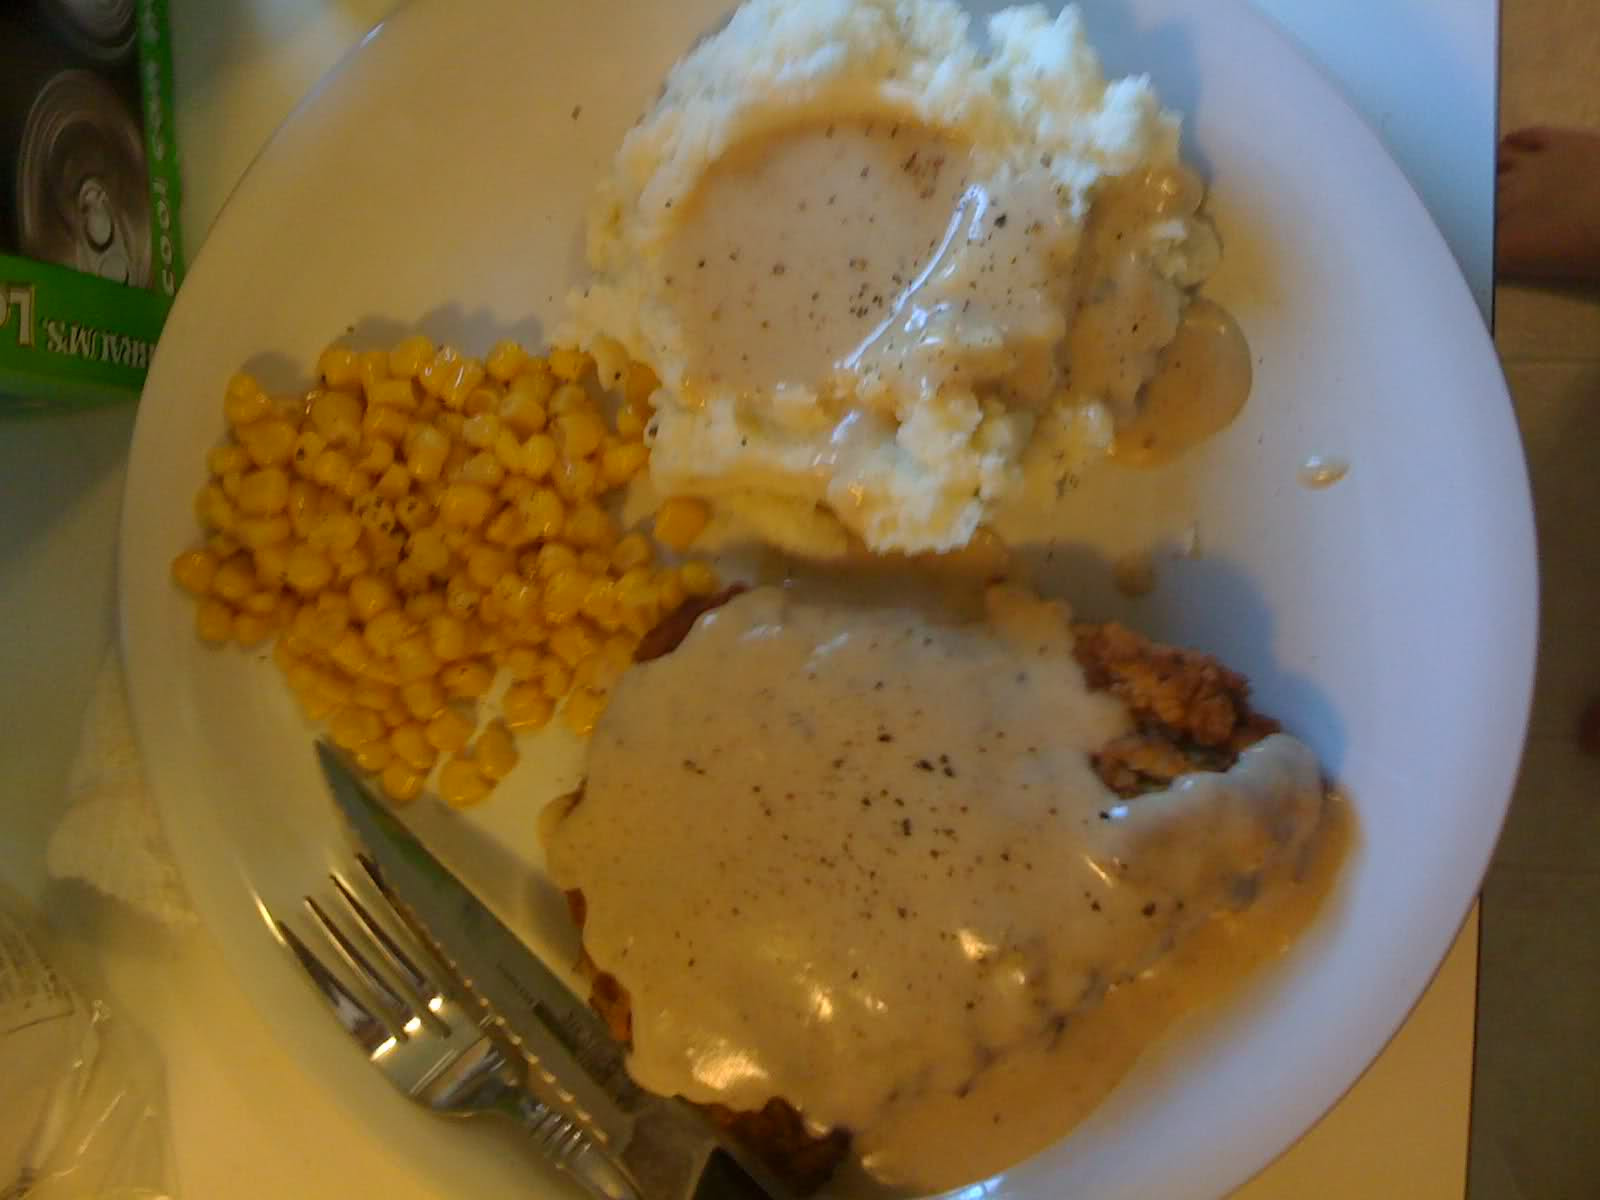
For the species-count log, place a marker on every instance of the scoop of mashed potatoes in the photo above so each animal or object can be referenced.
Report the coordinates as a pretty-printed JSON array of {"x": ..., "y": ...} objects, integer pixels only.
[{"x": 871, "y": 262}]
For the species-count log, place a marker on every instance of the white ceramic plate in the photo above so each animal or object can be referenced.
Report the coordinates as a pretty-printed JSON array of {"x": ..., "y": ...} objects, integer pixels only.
[{"x": 438, "y": 179}]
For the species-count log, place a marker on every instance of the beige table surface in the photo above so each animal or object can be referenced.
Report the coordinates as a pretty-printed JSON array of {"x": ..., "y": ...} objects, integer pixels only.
[{"x": 247, "y": 1120}]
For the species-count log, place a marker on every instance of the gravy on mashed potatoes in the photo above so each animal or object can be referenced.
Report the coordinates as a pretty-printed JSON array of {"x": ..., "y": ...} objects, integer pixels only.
[{"x": 872, "y": 265}]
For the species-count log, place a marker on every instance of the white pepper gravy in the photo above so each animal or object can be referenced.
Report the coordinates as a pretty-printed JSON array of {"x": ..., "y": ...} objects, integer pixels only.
[
  {"x": 862, "y": 861},
  {"x": 865, "y": 248}
]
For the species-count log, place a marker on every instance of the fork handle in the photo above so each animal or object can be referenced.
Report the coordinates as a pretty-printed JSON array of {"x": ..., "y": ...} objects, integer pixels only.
[{"x": 567, "y": 1145}]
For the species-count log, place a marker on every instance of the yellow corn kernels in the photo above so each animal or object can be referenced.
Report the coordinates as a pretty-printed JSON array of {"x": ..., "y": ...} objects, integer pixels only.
[
  {"x": 424, "y": 698},
  {"x": 555, "y": 678},
  {"x": 572, "y": 643},
  {"x": 374, "y": 756},
  {"x": 461, "y": 783},
  {"x": 670, "y": 591},
  {"x": 256, "y": 533},
  {"x": 579, "y": 433},
  {"x": 213, "y": 620},
  {"x": 632, "y": 421},
  {"x": 249, "y": 629},
  {"x": 426, "y": 448},
  {"x": 582, "y": 711},
  {"x": 244, "y": 401},
  {"x": 576, "y": 479},
  {"x": 419, "y": 520},
  {"x": 483, "y": 469},
  {"x": 526, "y": 707},
  {"x": 262, "y": 603},
  {"x": 522, "y": 663},
  {"x": 539, "y": 456},
  {"x": 268, "y": 442},
  {"x": 336, "y": 415},
  {"x": 234, "y": 579},
  {"x": 563, "y": 595},
  {"x": 466, "y": 505},
  {"x": 543, "y": 514},
  {"x": 451, "y": 376},
  {"x": 680, "y": 520},
  {"x": 354, "y": 727},
  {"x": 506, "y": 361},
  {"x": 410, "y": 356},
  {"x": 523, "y": 414},
  {"x": 639, "y": 384},
  {"x": 448, "y": 731},
  {"x": 371, "y": 695},
  {"x": 622, "y": 461},
  {"x": 308, "y": 570},
  {"x": 263, "y": 492},
  {"x": 401, "y": 781},
  {"x": 194, "y": 570},
  {"x": 370, "y": 596},
  {"x": 339, "y": 366},
  {"x": 697, "y": 578},
  {"x": 411, "y": 745},
  {"x": 467, "y": 680},
  {"x": 486, "y": 565},
  {"x": 332, "y": 469},
  {"x": 518, "y": 599},
  {"x": 495, "y": 752},
  {"x": 481, "y": 431},
  {"x": 388, "y": 421},
  {"x": 447, "y": 635},
  {"x": 414, "y": 659},
  {"x": 568, "y": 363},
  {"x": 590, "y": 526}
]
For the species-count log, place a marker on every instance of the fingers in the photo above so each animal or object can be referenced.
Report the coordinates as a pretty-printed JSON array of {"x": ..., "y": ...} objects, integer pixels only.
[
  {"x": 1535, "y": 137},
  {"x": 1516, "y": 143}
]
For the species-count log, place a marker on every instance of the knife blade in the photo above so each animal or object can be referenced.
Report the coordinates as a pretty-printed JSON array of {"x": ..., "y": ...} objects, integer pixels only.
[{"x": 671, "y": 1150}]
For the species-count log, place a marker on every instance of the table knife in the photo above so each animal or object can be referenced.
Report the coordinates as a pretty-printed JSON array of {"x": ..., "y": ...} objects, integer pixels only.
[{"x": 668, "y": 1149}]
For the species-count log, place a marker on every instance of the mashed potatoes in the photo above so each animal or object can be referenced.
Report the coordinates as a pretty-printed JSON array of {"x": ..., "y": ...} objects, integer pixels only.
[{"x": 871, "y": 264}]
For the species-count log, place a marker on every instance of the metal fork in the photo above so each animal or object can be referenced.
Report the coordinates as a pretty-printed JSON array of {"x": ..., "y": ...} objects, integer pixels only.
[{"x": 426, "y": 1044}]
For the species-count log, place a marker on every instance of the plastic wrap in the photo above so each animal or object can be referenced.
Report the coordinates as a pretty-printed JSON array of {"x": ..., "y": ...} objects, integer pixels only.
[{"x": 81, "y": 1106}]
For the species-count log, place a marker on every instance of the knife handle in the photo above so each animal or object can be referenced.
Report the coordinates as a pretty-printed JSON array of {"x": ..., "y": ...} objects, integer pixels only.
[{"x": 568, "y": 1146}]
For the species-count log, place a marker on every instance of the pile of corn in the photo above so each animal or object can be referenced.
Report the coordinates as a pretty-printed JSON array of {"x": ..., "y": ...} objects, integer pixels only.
[{"x": 419, "y": 522}]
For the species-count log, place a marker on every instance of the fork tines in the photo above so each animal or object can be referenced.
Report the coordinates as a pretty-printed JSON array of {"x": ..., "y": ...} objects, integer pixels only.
[{"x": 391, "y": 1002}]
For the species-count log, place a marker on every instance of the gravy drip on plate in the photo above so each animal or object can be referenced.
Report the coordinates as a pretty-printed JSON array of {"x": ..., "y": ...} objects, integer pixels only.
[
  {"x": 1172, "y": 373},
  {"x": 1201, "y": 383},
  {"x": 1321, "y": 471},
  {"x": 862, "y": 861}
]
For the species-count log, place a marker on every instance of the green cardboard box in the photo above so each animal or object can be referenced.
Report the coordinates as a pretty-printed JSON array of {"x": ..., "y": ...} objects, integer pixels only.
[{"x": 90, "y": 255}]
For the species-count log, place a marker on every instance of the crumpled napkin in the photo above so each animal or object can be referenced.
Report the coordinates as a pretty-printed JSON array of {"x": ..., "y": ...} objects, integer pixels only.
[{"x": 111, "y": 836}]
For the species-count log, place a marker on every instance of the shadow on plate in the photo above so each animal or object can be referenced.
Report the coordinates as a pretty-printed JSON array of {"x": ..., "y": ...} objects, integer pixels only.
[
  {"x": 1207, "y": 604},
  {"x": 1131, "y": 45},
  {"x": 472, "y": 331}
]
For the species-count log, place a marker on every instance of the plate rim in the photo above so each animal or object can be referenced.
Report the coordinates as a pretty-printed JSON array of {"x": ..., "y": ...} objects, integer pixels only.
[{"x": 1525, "y": 577}]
